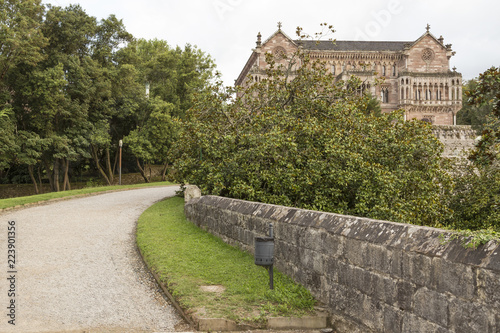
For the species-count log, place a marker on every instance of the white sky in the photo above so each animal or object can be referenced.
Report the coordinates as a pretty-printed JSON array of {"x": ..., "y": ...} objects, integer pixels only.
[{"x": 227, "y": 29}]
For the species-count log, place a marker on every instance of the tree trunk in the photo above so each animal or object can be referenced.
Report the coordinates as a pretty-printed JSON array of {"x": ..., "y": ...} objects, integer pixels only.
[
  {"x": 108, "y": 166},
  {"x": 142, "y": 170},
  {"x": 95, "y": 156},
  {"x": 164, "y": 172},
  {"x": 116, "y": 162},
  {"x": 66, "y": 185},
  {"x": 49, "y": 175},
  {"x": 40, "y": 178},
  {"x": 33, "y": 179},
  {"x": 56, "y": 175}
]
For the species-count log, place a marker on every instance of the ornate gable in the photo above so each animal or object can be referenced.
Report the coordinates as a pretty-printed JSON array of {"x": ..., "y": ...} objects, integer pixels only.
[
  {"x": 428, "y": 55},
  {"x": 278, "y": 44}
]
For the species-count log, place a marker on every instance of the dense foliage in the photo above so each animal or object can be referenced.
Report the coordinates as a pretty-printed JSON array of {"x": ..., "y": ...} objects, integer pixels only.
[
  {"x": 476, "y": 196},
  {"x": 309, "y": 142},
  {"x": 472, "y": 113},
  {"x": 71, "y": 87}
]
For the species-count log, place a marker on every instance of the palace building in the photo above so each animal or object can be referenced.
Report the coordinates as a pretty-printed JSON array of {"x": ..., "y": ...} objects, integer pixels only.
[{"x": 416, "y": 75}]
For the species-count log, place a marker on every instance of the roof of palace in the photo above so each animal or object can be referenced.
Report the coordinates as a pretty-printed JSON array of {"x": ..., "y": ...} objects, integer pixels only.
[{"x": 344, "y": 45}]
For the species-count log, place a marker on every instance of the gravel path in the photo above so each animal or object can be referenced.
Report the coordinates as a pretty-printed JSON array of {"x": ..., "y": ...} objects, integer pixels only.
[{"x": 77, "y": 267}]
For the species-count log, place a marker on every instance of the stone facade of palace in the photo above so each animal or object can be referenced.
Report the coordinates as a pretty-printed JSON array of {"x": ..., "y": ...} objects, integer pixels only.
[{"x": 415, "y": 75}]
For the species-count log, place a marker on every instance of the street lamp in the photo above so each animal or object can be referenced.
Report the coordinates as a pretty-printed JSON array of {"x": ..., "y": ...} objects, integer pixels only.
[{"x": 120, "y": 143}]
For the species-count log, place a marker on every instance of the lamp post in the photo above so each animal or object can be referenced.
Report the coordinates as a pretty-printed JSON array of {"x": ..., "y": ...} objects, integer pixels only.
[{"x": 120, "y": 143}]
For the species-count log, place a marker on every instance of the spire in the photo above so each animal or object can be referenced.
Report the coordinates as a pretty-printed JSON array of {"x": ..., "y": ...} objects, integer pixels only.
[
  {"x": 428, "y": 27},
  {"x": 259, "y": 40},
  {"x": 279, "y": 26}
]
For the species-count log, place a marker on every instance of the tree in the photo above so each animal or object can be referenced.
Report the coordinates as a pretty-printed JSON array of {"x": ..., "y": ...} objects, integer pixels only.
[
  {"x": 21, "y": 40},
  {"x": 152, "y": 139},
  {"x": 21, "y": 43},
  {"x": 302, "y": 139},
  {"x": 475, "y": 199},
  {"x": 472, "y": 113},
  {"x": 8, "y": 145},
  {"x": 174, "y": 76},
  {"x": 487, "y": 94},
  {"x": 87, "y": 54},
  {"x": 66, "y": 100}
]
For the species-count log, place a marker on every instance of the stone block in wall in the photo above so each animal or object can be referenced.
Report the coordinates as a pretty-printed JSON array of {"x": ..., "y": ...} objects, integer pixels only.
[
  {"x": 382, "y": 259},
  {"x": 404, "y": 295},
  {"x": 377, "y": 232},
  {"x": 333, "y": 245},
  {"x": 466, "y": 317},
  {"x": 424, "y": 240},
  {"x": 393, "y": 320},
  {"x": 332, "y": 270},
  {"x": 372, "y": 314},
  {"x": 415, "y": 324},
  {"x": 432, "y": 306},
  {"x": 454, "y": 278},
  {"x": 302, "y": 217},
  {"x": 355, "y": 251},
  {"x": 285, "y": 251},
  {"x": 354, "y": 277},
  {"x": 345, "y": 300},
  {"x": 191, "y": 192},
  {"x": 280, "y": 214},
  {"x": 290, "y": 233},
  {"x": 416, "y": 268},
  {"x": 310, "y": 279},
  {"x": 314, "y": 239},
  {"x": 493, "y": 261},
  {"x": 480, "y": 256},
  {"x": 488, "y": 285}
]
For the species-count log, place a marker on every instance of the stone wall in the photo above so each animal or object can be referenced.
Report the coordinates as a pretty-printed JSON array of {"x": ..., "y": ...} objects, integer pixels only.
[
  {"x": 456, "y": 139},
  {"x": 374, "y": 276}
]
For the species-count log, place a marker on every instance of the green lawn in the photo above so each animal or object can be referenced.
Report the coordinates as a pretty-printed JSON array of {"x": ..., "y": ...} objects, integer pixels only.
[
  {"x": 19, "y": 201},
  {"x": 187, "y": 258}
]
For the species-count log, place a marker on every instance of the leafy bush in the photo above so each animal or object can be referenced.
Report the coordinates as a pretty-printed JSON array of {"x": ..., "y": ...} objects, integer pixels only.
[{"x": 475, "y": 199}]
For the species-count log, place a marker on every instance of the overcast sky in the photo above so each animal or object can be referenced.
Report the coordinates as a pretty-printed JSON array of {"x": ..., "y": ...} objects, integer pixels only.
[{"x": 227, "y": 29}]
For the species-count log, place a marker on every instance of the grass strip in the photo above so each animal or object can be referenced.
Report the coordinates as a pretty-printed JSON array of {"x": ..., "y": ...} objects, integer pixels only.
[
  {"x": 20, "y": 201},
  {"x": 187, "y": 258}
]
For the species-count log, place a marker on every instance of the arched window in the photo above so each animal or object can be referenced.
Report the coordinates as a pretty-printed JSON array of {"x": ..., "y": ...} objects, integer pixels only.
[
  {"x": 385, "y": 95},
  {"x": 333, "y": 69},
  {"x": 383, "y": 70},
  {"x": 393, "y": 70}
]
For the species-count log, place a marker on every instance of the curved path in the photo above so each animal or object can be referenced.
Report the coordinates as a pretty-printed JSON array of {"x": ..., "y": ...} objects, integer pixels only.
[{"x": 77, "y": 267}]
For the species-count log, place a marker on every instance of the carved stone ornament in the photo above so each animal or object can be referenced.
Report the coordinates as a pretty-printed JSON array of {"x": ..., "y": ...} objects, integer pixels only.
[
  {"x": 279, "y": 52},
  {"x": 427, "y": 55}
]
